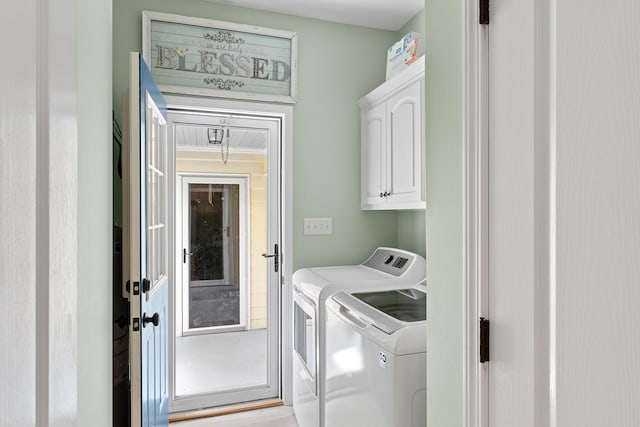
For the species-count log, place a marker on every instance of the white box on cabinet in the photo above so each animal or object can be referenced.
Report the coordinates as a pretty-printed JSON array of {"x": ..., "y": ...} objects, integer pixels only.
[
  {"x": 404, "y": 53},
  {"x": 392, "y": 143}
]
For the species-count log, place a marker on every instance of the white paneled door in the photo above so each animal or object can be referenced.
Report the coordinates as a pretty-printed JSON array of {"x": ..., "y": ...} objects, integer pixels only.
[{"x": 564, "y": 209}]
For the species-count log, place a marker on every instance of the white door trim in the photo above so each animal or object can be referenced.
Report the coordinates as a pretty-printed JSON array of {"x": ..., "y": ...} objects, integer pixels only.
[
  {"x": 39, "y": 227},
  {"x": 285, "y": 114},
  {"x": 56, "y": 209},
  {"x": 475, "y": 212},
  {"x": 544, "y": 214}
]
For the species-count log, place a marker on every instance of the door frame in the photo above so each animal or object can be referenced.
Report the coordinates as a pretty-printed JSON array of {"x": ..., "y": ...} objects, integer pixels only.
[
  {"x": 476, "y": 97},
  {"x": 47, "y": 211},
  {"x": 475, "y": 150},
  {"x": 182, "y": 224},
  {"x": 284, "y": 113}
]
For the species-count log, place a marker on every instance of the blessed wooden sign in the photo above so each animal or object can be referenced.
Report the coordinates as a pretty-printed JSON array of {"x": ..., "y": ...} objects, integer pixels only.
[{"x": 206, "y": 57}]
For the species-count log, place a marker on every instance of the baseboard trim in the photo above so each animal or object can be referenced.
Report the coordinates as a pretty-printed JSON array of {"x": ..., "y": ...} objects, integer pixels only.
[{"x": 224, "y": 410}]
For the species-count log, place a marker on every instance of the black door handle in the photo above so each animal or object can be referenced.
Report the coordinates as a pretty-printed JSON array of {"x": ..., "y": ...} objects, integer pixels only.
[
  {"x": 155, "y": 319},
  {"x": 276, "y": 255}
]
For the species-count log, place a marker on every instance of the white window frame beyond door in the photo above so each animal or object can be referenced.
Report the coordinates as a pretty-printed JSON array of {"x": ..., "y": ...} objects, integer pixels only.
[{"x": 183, "y": 235}]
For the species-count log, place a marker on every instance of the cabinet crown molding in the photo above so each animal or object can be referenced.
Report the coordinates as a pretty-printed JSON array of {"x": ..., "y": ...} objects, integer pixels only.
[{"x": 405, "y": 78}]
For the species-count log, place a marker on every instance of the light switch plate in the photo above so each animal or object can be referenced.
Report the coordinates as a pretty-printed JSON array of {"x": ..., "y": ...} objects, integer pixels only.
[{"x": 318, "y": 226}]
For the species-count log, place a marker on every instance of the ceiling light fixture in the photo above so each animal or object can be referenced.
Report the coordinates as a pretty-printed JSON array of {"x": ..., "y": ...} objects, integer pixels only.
[{"x": 216, "y": 135}]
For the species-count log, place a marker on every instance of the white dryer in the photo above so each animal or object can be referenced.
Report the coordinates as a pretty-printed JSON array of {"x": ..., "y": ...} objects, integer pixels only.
[
  {"x": 376, "y": 358},
  {"x": 385, "y": 269}
]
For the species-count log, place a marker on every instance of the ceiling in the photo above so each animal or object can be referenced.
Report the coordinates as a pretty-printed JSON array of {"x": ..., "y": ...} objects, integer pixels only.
[
  {"x": 382, "y": 14},
  {"x": 239, "y": 138}
]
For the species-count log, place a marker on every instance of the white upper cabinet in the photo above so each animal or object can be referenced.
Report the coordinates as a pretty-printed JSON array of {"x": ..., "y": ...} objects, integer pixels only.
[{"x": 392, "y": 167}]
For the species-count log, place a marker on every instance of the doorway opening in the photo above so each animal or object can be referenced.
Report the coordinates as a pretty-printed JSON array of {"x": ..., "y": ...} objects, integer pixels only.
[
  {"x": 227, "y": 300},
  {"x": 215, "y": 250}
]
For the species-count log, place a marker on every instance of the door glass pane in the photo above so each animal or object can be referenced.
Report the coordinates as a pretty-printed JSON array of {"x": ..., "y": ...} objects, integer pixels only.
[
  {"x": 214, "y": 291},
  {"x": 156, "y": 235}
]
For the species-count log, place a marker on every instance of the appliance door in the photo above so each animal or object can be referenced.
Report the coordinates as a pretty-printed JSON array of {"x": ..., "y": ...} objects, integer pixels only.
[
  {"x": 305, "y": 361},
  {"x": 304, "y": 338}
]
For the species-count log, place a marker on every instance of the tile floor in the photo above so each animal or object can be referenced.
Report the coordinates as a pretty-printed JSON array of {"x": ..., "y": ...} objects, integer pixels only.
[
  {"x": 215, "y": 362},
  {"x": 280, "y": 416}
]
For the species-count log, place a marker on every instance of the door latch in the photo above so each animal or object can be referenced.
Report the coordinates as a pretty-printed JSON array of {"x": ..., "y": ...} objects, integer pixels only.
[
  {"x": 184, "y": 255},
  {"x": 146, "y": 285}
]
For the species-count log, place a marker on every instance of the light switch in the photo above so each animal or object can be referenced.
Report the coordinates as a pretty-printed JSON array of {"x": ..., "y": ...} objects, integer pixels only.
[{"x": 317, "y": 226}]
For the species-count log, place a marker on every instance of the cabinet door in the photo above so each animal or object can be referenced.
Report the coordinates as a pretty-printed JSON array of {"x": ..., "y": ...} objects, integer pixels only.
[
  {"x": 374, "y": 158},
  {"x": 405, "y": 178}
]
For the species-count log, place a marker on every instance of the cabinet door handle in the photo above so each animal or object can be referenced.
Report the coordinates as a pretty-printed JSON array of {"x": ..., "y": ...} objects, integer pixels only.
[{"x": 381, "y": 195}]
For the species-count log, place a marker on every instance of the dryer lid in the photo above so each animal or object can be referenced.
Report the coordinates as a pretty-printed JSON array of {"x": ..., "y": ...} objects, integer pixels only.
[
  {"x": 406, "y": 305},
  {"x": 388, "y": 311}
]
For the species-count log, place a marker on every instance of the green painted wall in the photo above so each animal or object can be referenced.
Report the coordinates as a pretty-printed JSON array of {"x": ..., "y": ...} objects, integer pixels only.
[
  {"x": 440, "y": 23},
  {"x": 338, "y": 64},
  {"x": 444, "y": 211},
  {"x": 417, "y": 24},
  {"x": 94, "y": 213},
  {"x": 412, "y": 224}
]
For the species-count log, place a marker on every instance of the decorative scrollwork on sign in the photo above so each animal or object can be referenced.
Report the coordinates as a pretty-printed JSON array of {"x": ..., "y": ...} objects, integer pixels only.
[
  {"x": 223, "y": 37},
  {"x": 223, "y": 84}
]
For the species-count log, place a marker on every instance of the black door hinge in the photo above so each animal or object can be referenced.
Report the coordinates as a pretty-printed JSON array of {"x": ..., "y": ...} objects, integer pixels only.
[
  {"x": 136, "y": 288},
  {"x": 136, "y": 324},
  {"x": 484, "y": 340},
  {"x": 484, "y": 12}
]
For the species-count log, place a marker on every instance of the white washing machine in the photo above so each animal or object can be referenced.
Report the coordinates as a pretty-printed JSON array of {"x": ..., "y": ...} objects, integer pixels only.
[
  {"x": 376, "y": 358},
  {"x": 385, "y": 269}
]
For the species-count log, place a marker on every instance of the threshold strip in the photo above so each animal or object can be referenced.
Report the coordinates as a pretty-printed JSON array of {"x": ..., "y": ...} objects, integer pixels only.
[{"x": 224, "y": 410}]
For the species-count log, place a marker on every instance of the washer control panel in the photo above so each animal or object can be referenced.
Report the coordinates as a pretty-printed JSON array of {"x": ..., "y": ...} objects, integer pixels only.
[{"x": 390, "y": 261}]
